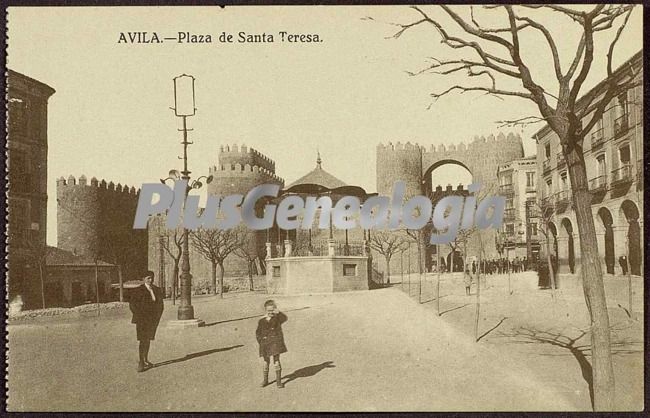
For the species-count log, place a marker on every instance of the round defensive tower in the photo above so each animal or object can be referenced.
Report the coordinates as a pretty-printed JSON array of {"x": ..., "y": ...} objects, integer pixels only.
[
  {"x": 399, "y": 162},
  {"x": 78, "y": 215}
]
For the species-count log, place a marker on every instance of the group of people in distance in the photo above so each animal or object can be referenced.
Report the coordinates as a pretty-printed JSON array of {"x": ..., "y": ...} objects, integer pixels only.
[{"x": 146, "y": 304}]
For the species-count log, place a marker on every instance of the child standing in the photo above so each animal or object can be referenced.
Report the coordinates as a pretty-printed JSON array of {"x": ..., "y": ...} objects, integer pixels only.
[{"x": 271, "y": 340}]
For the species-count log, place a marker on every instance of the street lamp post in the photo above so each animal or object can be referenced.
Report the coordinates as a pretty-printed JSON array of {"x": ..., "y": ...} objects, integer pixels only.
[{"x": 183, "y": 107}]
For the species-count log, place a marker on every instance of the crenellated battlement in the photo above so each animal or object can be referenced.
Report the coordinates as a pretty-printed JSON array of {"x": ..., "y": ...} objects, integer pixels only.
[
  {"x": 71, "y": 182},
  {"x": 231, "y": 154},
  {"x": 476, "y": 144},
  {"x": 245, "y": 170}
]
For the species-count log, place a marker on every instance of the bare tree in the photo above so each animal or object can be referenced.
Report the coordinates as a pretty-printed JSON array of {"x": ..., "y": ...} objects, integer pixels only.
[
  {"x": 173, "y": 246},
  {"x": 215, "y": 245},
  {"x": 387, "y": 243},
  {"x": 497, "y": 56},
  {"x": 249, "y": 251}
]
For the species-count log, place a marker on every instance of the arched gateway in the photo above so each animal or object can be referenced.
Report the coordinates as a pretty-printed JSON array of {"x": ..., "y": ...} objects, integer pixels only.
[{"x": 413, "y": 164}]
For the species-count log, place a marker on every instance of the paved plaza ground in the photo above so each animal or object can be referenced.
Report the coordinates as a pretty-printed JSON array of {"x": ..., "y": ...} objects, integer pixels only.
[{"x": 359, "y": 351}]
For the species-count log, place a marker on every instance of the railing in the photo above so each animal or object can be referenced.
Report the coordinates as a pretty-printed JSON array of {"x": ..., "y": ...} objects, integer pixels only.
[
  {"x": 597, "y": 138},
  {"x": 506, "y": 189},
  {"x": 546, "y": 204},
  {"x": 321, "y": 248},
  {"x": 621, "y": 125},
  {"x": 563, "y": 196},
  {"x": 546, "y": 165},
  {"x": 533, "y": 212},
  {"x": 598, "y": 183},
  {"x": 509, "y": 214},
  {"x": 560, "y": 160},
  {"x": 622, "y": 175}
]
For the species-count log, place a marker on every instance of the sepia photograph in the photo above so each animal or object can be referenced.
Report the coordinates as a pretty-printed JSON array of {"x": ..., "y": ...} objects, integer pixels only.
[{"x": 325, "y": 208}]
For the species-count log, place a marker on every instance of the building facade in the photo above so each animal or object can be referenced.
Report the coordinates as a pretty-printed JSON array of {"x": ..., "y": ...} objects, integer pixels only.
[
  {"x": 519, "y": 236},
  {"x": 27, "y": 143},
  {"x": 613, "y": 154}
]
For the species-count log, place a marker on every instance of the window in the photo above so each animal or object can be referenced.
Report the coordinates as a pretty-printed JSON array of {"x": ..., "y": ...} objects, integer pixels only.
[
  {"x": 547, "y": 151},
  {"x": 532, "y": 229},
  {"x": 18, "y": 221},
  {"x": 549, "y": 187},
  {"x": 563, "y": 181},
  {"x": 17, "y": 115},
  {"x": 621, "y": 102},
  {"x": 276, "y": 271},
  {"x": 19, "y": 175},
  {"x": 349, "y": 269},
  {"x": 509, "y": 204},
  {"x": 602, "y": 166},
  {"x": 624, "y": 154},
  {"x": 510, "y": 229},
  {"x": 530, "y": 179}
]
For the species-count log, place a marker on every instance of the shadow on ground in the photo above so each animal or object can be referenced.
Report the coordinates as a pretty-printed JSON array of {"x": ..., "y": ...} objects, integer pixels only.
[
  {"x": 248, "y": 317},
  {"x": 195, "y": 355},
  {"x": 308, "y": 371}
]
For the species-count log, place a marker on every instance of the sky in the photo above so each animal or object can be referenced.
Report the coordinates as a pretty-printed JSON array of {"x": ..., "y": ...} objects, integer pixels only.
[{"x": 110, "y": 116}]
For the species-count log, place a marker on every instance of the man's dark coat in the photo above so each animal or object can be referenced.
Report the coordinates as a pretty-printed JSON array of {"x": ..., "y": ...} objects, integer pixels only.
[{"x": 146, "y": 312}]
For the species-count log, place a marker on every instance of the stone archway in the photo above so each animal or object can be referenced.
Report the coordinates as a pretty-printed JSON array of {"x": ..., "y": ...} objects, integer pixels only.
[
  {"x": 552, "y": 235},
  {"x": 567, "y": 232},
  {"x": 607, "y": 220},
  {"x": 429, "y": 178},
  {"x": 631, "y": 215}
]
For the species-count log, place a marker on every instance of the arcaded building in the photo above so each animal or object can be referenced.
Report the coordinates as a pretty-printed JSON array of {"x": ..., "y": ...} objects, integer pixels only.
[
  {"x": 613, "y": 154},
  {"x": 27, "y": 143}
]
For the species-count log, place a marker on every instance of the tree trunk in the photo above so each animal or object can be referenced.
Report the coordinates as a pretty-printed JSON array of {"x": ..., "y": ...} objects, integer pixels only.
[
  {"x": 221, "y": 271},
  {"x": 477, "y": 313},
  {"x": 175, "y": 284},
  {"x": 214, "y": 278},
  {"x": 592, "y": 283},
  {"x": 551, "y": 273},
  {"x": 251, "y": 285},
  {"x": 387, "y": 269}
]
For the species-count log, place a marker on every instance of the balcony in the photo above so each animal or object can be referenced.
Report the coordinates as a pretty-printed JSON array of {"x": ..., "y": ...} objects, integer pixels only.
[
  {"x": 622, "y": 176},
  {"x": 561, "y": 162},
  {"x": 562, "y": 200},
  {"x": 546, "y": 166},
  {"x": 509, "y": 214},
  {"x": 506, "y": 189},
  {"x": 598, "y": 184},
  {"x": 597, "y": 138},
  {"x": 621, "y": 125},
  {"x": 533, "y": 212},
  {"x": 639, "y": 175},
  {"x": 547, "y": 205}
]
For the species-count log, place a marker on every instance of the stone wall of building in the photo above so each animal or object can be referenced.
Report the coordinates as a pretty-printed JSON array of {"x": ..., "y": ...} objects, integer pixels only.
[{"x": 27, "y": 143}]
